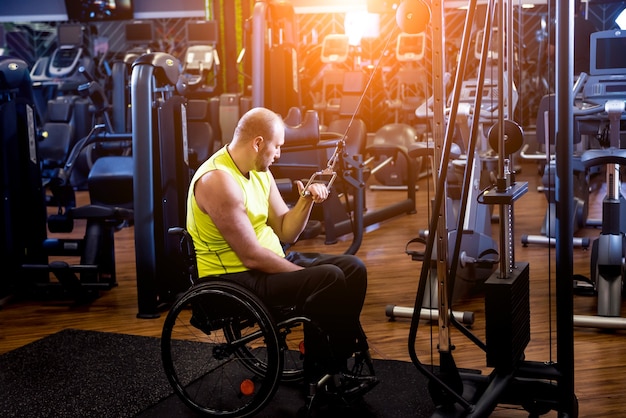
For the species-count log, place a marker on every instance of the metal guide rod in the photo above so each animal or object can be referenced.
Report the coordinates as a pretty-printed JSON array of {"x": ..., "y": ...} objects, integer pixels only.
[
  {"x": 443, "y": 144},
  {"x": 604, "y": 322},
  {"x": 564, "y": 192},
  {"x": 507, "y": 262},
  {"x": 474, "y": 130},
  {"x": 429, "y": 314}
]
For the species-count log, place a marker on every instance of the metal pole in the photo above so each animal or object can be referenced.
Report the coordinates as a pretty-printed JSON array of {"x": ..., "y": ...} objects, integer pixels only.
[{"x": 564, "y": 196}]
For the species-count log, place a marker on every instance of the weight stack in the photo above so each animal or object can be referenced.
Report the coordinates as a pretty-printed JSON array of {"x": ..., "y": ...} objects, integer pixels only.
[{"x": 507, "y": 313}]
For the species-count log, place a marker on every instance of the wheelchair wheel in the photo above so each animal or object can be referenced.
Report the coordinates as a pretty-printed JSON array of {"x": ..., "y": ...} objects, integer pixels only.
[
  {"x": 291, "y": 343},
  {"x": 221, "y": 351},
  {"x": 291, "y": 333}
]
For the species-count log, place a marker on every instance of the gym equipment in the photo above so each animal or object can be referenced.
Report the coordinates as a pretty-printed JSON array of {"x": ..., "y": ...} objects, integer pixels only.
[
  {"x": 58, "y": 73},
  {"x": 478, "y": 254},
  {"x": 536, "y": 386},
  {"x": 335, "y": 50},
  {"x": 391, "y": 146},
  {"x": 410, "y": 83},
  {"x": 62, "y": 115},
  {"x": 546, "y": 138},
  {"x": 337, "y": 219},
  {"x": 28, "y": 250},
  {"x": 202, "y": 129},
  {"x": 201, "y": 62},
  {"x": 139, "y": 36},
  {"x": 58, "y": 136},
  {"x": 275, "y": 81},
  {"x": 478, "y": 250},
  {"x": 410, "y": 89},
  {"x": 609, "y": 249},
  {"x": 161, "y": 181},
  {"x": 2, "y": 41},
  {"x": 65, "y": 60},
  {"x": 242, "y": 347},
  {"x": 601, "y": 113},
  {"x": 107, "y": 164},
  {"x": 199, "y": 79},
  {"x": 349, "y": 135}
]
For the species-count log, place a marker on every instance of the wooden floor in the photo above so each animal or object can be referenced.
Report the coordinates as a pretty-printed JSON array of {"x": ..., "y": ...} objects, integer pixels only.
[{"x": 600, "y": 357}]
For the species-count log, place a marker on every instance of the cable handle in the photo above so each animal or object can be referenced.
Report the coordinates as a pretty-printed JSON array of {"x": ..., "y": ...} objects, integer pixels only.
[{"x": 328, "y": 171}]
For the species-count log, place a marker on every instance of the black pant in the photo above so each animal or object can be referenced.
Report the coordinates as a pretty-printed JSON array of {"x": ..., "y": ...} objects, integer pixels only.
[{"x": 330, "y": 291}]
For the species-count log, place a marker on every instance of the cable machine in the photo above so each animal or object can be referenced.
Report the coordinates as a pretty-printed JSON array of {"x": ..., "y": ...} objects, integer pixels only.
[{"x": 536, "y": 386}]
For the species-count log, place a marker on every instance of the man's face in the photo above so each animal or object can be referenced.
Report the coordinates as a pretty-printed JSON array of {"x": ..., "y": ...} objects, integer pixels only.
[{"x": 269, "y": 150}]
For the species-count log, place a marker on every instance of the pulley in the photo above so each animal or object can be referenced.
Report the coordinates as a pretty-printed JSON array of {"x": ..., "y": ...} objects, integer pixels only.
[
  {"x": 513, "y": 137},
  {"x": 413, "y": 16}
]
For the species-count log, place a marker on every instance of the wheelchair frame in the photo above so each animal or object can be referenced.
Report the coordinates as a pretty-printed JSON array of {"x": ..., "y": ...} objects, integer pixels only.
[{"x": 223, "y": 350}]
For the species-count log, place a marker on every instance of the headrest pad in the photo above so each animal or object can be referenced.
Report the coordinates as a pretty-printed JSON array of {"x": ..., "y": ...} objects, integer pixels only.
[
  {"x": 13, "y": 72},
  {"x": 305, "y": 133}
]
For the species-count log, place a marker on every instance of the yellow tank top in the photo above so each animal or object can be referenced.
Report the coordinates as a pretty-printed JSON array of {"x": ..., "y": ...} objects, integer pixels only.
[{"x": 214, "y": 255}]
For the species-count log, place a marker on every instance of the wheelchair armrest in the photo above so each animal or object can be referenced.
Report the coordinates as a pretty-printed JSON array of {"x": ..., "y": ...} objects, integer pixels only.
[{"x": 187, "y": 252}]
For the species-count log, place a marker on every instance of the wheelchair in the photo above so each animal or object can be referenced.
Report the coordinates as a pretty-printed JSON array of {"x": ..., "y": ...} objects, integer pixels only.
[{"x": 225, "y": 352}]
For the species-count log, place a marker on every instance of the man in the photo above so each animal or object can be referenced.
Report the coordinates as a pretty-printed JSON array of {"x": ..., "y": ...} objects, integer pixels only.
[{"x": 239, "y": 221}]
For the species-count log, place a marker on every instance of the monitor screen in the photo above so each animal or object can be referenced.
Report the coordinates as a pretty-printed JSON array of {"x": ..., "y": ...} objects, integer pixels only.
[
  {"x": 139, "y": 33},
  {"x": 70, "y": 35},
  {"x": 335, "y": 48},
  {"x": 202, "y": 32},
  {"x": 606, "y": 53},
  {"x": 99, "y": 10},
  {"x": 410, "y": 47},
  {"x": 493, "y": 44}
]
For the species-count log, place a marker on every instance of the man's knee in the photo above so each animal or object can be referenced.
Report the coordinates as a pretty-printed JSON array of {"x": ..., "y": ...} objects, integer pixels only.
[{"x": 351, "y": 264}]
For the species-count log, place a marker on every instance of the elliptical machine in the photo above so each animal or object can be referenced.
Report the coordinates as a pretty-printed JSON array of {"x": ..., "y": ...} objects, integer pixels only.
[{"x": 609, "y": 249}]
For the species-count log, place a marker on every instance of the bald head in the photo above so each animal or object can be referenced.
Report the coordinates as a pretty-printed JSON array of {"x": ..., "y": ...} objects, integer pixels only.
[
  {"x": 257, "y": 140},
  {"x": 256, "y": 122}
]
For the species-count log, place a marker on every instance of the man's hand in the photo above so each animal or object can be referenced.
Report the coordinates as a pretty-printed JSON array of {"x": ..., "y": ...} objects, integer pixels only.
[{"x": 318, "y": 192}]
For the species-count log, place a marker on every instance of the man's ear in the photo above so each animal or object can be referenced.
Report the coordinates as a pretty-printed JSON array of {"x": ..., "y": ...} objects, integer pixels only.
[{"x": 256, "y": 142}]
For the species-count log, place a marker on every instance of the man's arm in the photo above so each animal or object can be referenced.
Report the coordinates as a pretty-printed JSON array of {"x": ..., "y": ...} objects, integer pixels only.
[
  {"x": 229, "y": 215},
  {"x": 287, "y": 223}
]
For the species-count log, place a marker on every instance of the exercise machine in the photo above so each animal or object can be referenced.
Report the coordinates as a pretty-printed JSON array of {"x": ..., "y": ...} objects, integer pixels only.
[
  {"x": 275, "y": 80},
  {"x": 201, "y": 61},
  {"x": 58, "y": 73},
  {"x": 600, "y": 114},
  {"x": 465, "y": 183},
  {"x": 410, "y": 92},
  {"x": 609, "y": 249},
  {"x": 199, "y": 76},
  {"x": 139, "y": 37},
  {"x": 160, "y": 182},
  {"x": 536, "y": 386},
  {"x": 33, "y": 257},
  {"x": 334, "y": 53},
  {"x": 63, "y": 115},
  {"x": 410, "y": 84},
  {"x": 546, "y": 137}
]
